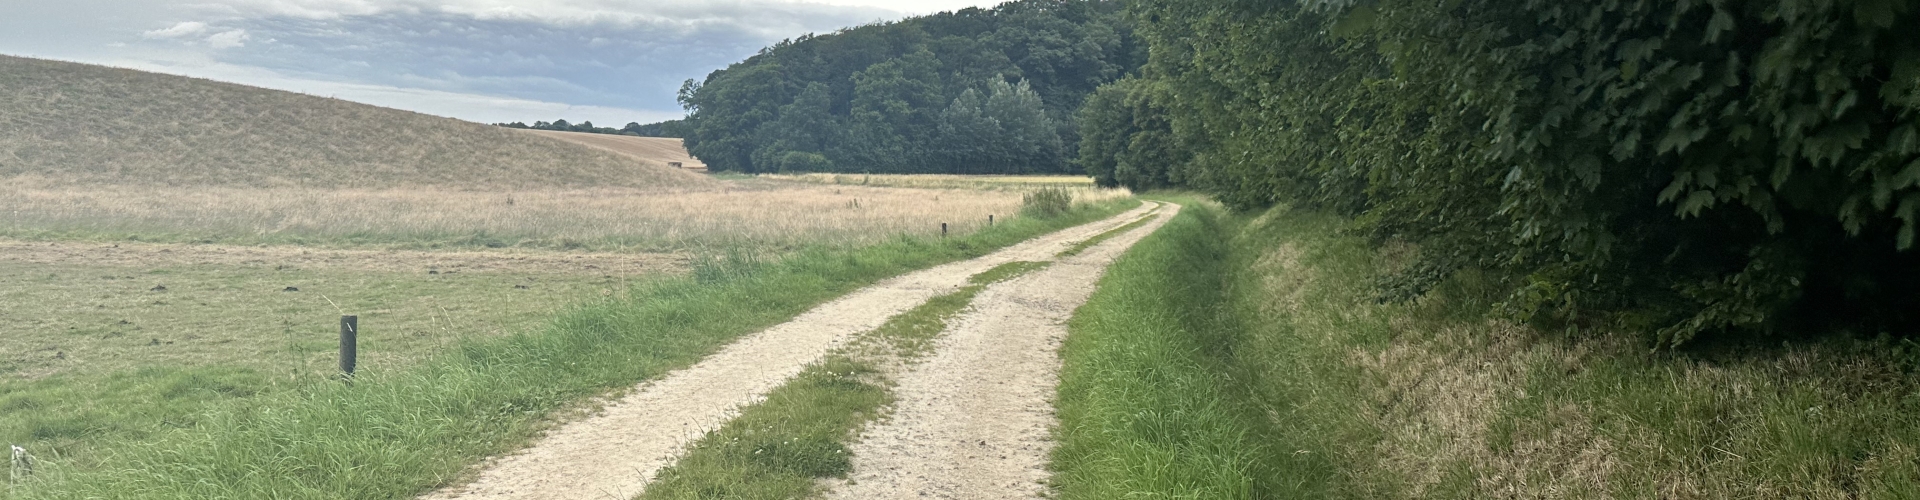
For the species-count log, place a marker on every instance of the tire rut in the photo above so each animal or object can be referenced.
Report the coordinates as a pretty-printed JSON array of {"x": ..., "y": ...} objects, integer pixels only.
[
  {"x": 974, "y": 419},
  {"x": 616, "y": 451}
]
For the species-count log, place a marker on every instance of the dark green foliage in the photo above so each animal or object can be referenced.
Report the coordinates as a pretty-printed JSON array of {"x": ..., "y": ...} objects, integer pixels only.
[
  {"x": 669, "y": 128},
  {"x": 972, "y": 91},
  {"x": 1001, "y": 131},
  {"x": 1126, "y": 137},
  {"x": 796, "y": 161},
  {"x": 1687, "y": 167}
]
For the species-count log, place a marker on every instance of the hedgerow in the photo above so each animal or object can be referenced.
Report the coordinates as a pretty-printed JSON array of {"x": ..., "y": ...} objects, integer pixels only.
[{"x": 1680, "y": 167}]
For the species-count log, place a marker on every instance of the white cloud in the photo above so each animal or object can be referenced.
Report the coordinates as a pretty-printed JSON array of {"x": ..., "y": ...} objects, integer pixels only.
[
  {"x": 465, "y": 106},
  {"x": 184, "y": 29},
  {"x": 444, "y": 57},
  {"x": 228, "y": 39}
]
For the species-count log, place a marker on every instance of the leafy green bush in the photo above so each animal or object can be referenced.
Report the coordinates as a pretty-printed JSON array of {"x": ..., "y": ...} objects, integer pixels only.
[
  {"x": 1046, "y": 203},
  {"x": 1679, "y": 167}
]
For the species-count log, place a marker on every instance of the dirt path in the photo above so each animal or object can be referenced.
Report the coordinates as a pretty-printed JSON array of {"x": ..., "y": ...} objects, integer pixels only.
[
  {"x": 973, "y": 420},
  {"x": 614, "y": 453}
]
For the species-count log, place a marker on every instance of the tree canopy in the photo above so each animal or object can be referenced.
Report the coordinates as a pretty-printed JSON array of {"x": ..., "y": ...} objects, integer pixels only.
[
  {"x": 972, "y": 91},
  {"x": 669, "y": 128}
]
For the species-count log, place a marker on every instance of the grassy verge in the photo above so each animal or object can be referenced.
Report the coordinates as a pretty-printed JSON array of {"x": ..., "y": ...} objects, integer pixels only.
[
  {"x": 1145, "y": 405},
  {"x": 396, "y": 433},
  {"x": 1239, "y": 356},
  {"x": 780, "y": 448}
]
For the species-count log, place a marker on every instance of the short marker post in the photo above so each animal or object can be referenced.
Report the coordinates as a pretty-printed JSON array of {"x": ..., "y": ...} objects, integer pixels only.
[
  {"x": 349, "y": 344},
  {"x": 943, "y": 230}
]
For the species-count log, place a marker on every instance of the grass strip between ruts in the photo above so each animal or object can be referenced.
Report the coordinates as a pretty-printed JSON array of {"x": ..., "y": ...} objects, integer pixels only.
[
  {"x": 779, "y": 448},
  {"x": 1109, "y": 234},
  {"x": 397, "y": 434}
]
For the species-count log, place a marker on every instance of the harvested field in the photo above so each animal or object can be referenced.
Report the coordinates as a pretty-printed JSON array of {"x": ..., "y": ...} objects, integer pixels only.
[
  {"x": 656, "y": 150},
  {"x": 283, "y": 257},
  {"x": 758, "y": 214},
  {"x": 1016, "y": 182},
  {"x": 85, "y": 124}
]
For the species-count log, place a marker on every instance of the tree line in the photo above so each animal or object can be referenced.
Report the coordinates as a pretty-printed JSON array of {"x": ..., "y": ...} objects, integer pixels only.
[
  {"x": 669, "y": 128},
  {"x": 974, "y": 91},
  {"x": 1702, "y": 168}
]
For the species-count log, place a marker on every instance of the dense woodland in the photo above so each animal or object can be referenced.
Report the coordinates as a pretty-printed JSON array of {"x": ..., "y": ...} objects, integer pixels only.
[
  {"x": 973, "y": 91},
  {"x": 1695, "y": 168}
]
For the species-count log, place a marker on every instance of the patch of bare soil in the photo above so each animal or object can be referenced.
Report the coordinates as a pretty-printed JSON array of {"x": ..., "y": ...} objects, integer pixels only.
[
  {"x": 133, "y": 254},
  {"x": 973, "y": 421},
  {"x": 615, "y": 452}
]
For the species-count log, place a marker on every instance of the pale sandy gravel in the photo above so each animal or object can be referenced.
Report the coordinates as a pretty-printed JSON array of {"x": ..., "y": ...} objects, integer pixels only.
[
  {"x": 613, "y": 453},
  {"x": 973, "y": 421}
]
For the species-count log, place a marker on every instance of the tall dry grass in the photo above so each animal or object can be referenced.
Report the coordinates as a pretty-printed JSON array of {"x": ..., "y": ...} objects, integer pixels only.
[{"x": 751, "y": 214}]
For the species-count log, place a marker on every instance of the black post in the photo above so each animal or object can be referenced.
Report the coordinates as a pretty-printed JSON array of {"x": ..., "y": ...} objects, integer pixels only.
[
  {"x": 349, "y": 343},
  {"x": 989, "y": 219},
  {"x": 943, "y": 230}
]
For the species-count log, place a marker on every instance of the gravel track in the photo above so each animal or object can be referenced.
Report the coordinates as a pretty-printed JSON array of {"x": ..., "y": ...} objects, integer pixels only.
[
  {"x": 615, "y": 452},
  {"x": 973, "y": 421}
]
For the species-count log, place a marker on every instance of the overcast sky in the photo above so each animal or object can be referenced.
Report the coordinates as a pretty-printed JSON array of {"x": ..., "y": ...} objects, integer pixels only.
[{"x": 608, "y": 61}]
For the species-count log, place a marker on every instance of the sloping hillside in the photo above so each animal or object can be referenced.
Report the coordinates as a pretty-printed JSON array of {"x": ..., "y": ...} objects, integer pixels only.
[
  {"x": 75, "y": 123},
  {"x": 658, "y": 150}
]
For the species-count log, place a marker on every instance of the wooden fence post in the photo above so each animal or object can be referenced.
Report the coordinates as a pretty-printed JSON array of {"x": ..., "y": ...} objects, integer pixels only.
[
  {"x": 349, "y": 344},
  {"x": 943, "y": 230},
  {"x": 989, "y": 219}
]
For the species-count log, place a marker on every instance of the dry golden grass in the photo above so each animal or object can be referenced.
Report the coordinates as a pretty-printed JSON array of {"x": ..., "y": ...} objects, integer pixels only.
[
  {"x": 755, "y": 213},
  {"x": 1016, "y": 182},
  {"x": 1433, "y": 399},
  {"x": 655, "y": 150},
  {"x": 77, "y": 123}
]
